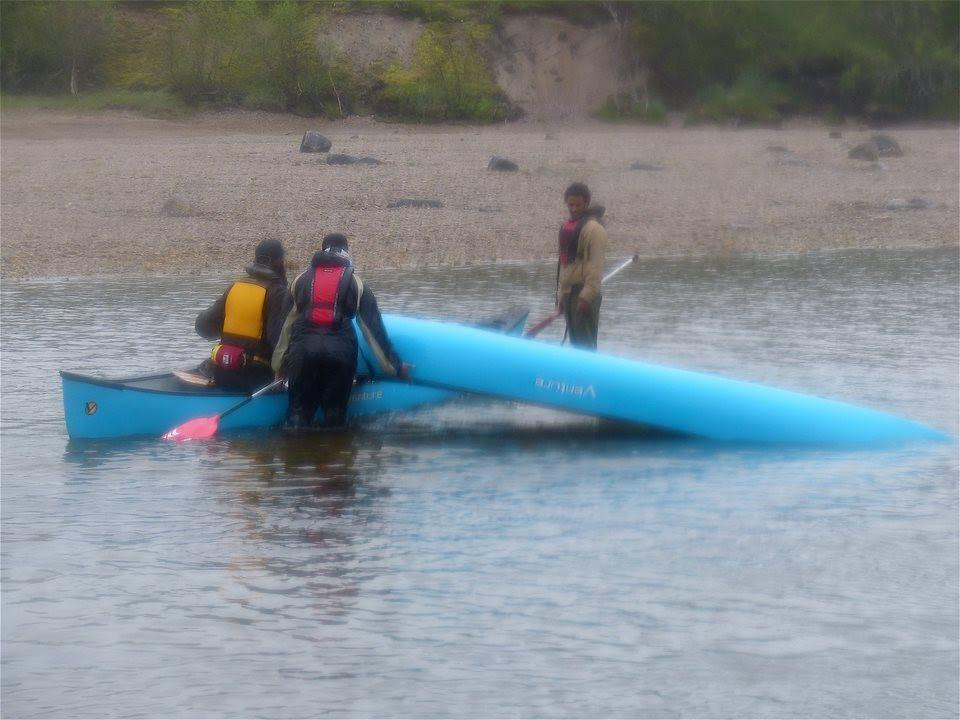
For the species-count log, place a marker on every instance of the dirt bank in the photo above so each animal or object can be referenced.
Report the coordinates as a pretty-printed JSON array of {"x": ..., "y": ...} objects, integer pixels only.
[
  {"x": 548, "y": 67},
  {"x": 116, "y": 193}
]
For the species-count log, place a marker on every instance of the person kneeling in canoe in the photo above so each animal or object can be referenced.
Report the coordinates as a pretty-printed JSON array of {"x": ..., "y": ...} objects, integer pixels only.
[
  {"x": 317, "y": 350},
  {"x": 582, "y": 245},
  {"x": 246, "y": 322}
]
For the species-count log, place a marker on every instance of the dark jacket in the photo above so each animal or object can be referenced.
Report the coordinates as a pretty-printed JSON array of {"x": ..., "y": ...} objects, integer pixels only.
[
  {"x": 358, "y": 302},
  {"x": 209, "y": 323}
]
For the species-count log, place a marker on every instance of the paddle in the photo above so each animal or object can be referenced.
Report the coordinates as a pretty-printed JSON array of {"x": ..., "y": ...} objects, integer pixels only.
[
  {"x": 558, "y": 312},
  {"x": 206, "y": 427}
]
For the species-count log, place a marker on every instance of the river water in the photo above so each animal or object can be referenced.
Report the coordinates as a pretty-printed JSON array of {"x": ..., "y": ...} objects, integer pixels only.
[{"x": 485, "y": 559}]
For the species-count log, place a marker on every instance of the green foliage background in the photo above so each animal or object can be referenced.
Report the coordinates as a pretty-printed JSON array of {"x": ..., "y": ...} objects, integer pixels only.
[
  {"x": 757, "y": 59},
  {"x": 449, "y": 80},
  {"x": 752, "y": 60}
]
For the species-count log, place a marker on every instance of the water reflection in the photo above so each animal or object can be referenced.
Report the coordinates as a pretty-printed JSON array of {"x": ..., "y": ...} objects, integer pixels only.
[
  {"x": 485, "y": 554},
  {"x": 319, "y": 471},
  {"x": 298, "y": 507}
]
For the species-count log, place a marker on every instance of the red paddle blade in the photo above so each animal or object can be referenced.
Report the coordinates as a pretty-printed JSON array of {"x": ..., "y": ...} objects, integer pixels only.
[{"x": 196, "y": 429}]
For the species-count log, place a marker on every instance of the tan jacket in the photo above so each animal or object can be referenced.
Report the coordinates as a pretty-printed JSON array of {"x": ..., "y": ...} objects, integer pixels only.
[{"x": 587, "y": 269}]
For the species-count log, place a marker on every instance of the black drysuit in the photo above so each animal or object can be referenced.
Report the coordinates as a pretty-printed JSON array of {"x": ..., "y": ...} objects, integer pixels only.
[{"x": 321, "y": 358}]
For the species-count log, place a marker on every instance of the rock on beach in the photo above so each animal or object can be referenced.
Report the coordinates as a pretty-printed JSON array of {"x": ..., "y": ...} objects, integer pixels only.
[
  {"x": 314, "y": 142},
  {"x": 502, "y": 164}
]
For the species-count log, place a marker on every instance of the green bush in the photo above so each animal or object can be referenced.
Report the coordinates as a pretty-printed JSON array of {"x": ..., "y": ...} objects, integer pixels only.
[
  {"x": 887, "y": 59},
  {"x": 751, "y": 99},
  {"x": 135, "y": 59},
  {"x": 211, "y": 52},
  {"x": 254, "y": 55},
  {"x": 54, "y": 46},
  {"x": 907, "y": 62},
  {"x": 449, "y": 80},
  {"x": 301, "y": 76}
]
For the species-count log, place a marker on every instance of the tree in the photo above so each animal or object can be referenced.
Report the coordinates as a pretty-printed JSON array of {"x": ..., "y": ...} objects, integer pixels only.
[{"x": 54, "y": 45}]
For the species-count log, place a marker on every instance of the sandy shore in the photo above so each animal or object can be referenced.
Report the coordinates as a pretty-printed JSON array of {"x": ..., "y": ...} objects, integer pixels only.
[{"x": 117, "y": 193}]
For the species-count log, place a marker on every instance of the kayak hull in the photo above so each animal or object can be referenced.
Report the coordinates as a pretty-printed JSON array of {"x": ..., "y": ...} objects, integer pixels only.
[{"x": 704, "y": 405}]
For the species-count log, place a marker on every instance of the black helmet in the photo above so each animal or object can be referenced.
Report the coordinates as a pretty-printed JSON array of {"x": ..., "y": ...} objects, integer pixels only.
[
  {"x": 334, "y": 241},
  {"x": 268, "y": 252}
]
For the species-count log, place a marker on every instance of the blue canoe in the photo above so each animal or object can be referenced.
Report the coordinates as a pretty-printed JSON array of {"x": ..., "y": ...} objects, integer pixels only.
[
  {"x": 456, "y": 357},
  {"x": 152, "y": 404},
  {"x": 95, "y": 407}
]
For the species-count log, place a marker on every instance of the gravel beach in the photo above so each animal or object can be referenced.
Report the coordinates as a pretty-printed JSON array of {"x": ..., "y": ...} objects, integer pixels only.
[{"x": 114, "y": 192}]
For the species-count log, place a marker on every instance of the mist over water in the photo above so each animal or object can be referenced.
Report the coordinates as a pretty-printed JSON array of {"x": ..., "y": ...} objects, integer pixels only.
[{"x": 486, "y": 559}]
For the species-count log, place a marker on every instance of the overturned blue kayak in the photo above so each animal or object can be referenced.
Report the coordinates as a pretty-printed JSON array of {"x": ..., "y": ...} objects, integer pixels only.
[
  {"x": 456, "y": 357},
  {"x": 95, "y": 407}
]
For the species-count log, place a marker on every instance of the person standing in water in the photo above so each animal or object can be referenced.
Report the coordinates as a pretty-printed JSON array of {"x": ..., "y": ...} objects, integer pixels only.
[
  {"x": 317, "y": 351},
  {"x": 582, "y": 254}
]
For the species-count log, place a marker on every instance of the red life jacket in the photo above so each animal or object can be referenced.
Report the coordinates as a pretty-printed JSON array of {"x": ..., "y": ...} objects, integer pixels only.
[
  {"x": 327, "y": 292},
  {"x": 570, "y": 239}
]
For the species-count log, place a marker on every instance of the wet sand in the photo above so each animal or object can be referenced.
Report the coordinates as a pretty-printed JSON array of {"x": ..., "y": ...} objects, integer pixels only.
[{"x": 117, "y": 193}]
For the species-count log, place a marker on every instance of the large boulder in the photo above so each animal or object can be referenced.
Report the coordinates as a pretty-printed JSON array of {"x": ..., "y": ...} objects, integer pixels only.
[
  {"x": 886, "y": 146},
  {"x": 502, "y": 164},
  {"x": 314, "y": 142}
]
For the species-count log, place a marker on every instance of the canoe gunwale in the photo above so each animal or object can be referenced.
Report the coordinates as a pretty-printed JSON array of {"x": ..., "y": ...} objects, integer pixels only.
[{"x": 126, "y": 384}]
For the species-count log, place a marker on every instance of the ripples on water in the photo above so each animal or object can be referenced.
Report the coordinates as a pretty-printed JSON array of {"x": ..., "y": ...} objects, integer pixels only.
[{"x": 485, "y": 559}]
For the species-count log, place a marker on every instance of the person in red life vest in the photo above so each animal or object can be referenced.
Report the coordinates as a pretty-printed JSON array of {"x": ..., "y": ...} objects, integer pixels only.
[
  {"x": 583, "y": 247},
  {"x": 246, "y": 322},
  {"x": 317, "y": 351}
]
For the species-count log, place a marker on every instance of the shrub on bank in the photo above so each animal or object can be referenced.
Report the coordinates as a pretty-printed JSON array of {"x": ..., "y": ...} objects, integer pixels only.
[
  {"x": 751, "y": 60},
  {"x": 886, "y": 60},
  {"x": 751, "y": 99},
  {"x": 253, "y": 55},
  {"x": 449, "y": 80},
  {"x": 54, "y": 47}
]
